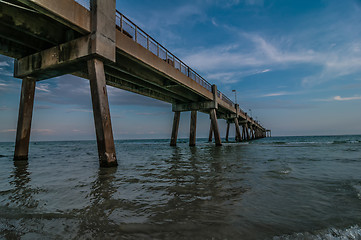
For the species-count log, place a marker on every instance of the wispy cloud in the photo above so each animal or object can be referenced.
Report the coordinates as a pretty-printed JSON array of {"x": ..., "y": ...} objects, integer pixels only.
[
  {"x": 7, "y": 130},
  {"x": 44, "y": 87},
  {"x": 151, "y": 113},
  {"x": 79, "y": 110},
  {"x": 233, "y": 76},
  {"x": 4, "y": 64},
  {"x": 275, "y": 94},
  {"x": 339, "y": 98},
  {"x": 43, "y": 131}
]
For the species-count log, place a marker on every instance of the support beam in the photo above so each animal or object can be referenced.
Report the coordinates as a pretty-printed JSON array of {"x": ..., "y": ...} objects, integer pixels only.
[
  {"x": 193, "y": 128},
  {"x": 210, "y": 137},
  {"x": 173, "y": 141},
  {"x": 194, "y": 106},
  {"x": 217, "y": 136},
  {"x": 24, "y": 119},
  {"x": 227, "y": 133},
  {"x": 56, "y": 61},
  {"x": 103, "y": 125}
]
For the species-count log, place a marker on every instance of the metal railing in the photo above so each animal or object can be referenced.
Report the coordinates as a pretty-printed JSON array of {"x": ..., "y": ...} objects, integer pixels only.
[{"x": 127, "y": 27}]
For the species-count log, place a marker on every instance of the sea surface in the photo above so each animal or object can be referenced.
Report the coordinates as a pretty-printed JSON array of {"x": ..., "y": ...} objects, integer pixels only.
[{"x": 273, "y": 188}]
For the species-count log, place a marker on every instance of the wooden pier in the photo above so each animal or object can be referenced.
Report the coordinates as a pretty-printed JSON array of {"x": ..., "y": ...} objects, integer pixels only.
[{"x": 50, "y": 38}]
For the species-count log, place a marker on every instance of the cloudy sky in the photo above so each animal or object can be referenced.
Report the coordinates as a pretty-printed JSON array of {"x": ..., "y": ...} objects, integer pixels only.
[{"x": 296, "y": 66}]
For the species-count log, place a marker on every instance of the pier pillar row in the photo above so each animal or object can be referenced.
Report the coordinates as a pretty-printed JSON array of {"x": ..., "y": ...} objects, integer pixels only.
[{"x": 24, "y": 118}]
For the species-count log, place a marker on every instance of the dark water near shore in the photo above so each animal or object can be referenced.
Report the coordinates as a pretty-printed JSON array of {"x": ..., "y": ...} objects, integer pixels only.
[{"x": 275, "y": 188}]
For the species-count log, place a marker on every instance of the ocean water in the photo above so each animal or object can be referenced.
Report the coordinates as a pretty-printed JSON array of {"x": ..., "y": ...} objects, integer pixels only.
[{"x": 273, "y": 188}]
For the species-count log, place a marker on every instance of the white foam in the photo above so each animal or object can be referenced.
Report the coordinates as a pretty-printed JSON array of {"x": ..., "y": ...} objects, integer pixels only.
[{"x": 353, "y": 232}]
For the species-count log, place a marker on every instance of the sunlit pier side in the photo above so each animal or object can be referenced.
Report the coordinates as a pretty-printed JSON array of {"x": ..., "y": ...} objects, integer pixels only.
[{"x": 50, "y": 38}]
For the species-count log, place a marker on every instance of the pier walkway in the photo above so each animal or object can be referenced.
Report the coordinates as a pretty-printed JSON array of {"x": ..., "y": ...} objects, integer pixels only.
[{"x": 50, "y": 38}]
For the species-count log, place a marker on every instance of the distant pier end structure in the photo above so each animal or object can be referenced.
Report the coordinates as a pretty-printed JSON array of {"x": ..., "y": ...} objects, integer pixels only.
[{"x": 90, "y": 39}]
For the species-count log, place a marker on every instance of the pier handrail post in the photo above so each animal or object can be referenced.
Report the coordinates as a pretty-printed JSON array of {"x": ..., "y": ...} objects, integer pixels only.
[{"x": 24, "y": 118}]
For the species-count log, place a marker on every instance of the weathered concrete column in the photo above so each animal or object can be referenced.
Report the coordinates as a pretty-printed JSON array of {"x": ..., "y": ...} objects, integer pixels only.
[
  {"x": 103, "y": 125},
  {"x": 251, "y": 131},
  {"x": 173, "y": 140},
  {"x": 193, "y": 128},
  {"x": 24, "y": 118},
  {"x": 247, "y": 132},
  {"x": 217, "y": 136},
  {"x": 227, "y": 132},
  {"x": 238, "y": 132},
  {"x": 210, "y": 137},
  {"x": 243, "y": 133}
]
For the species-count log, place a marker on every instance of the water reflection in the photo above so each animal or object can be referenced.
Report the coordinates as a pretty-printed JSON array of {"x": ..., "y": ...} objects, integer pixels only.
[
  {"x": 195, "y": 185},
  {"x": 23, "y": 194},
  {"x": 94, "y": 219}
]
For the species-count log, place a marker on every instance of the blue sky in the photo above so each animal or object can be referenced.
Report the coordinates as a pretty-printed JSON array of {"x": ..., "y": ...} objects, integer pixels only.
[{"x": 296, "y": 64}]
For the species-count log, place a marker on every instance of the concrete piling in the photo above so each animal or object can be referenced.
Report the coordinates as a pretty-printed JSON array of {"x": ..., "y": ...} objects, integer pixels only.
[
  {"x": 173, "y": 141},
  {"x": 24, "y": 119},
  {"x": 217, "y": 136},
  {"x": 193, "y": 128},
  {"x": 103, "y": 125},
  {"x": 227, "y": 132}
]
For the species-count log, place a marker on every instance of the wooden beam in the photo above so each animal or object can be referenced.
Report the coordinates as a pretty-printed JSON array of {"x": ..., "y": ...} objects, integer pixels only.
[
  {"x": 173, "y": 141},
  {"x": 103, "y": 125},
  {"x": 24, "y": 119},
  {"x": 193, "y": 129}
]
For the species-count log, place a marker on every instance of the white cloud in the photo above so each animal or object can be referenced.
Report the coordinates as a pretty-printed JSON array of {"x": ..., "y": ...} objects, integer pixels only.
[
  {"x": 339, "y": 98},
  {"x": 4, "y": 64},
  {"x": 43, "y": 131},
  {"x": 275, "y": 94},
  {"x": 44, "y": 87},
  {"x": 7, "y": 130}
]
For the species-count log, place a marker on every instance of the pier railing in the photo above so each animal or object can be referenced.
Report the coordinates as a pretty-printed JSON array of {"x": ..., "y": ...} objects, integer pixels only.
[{"x": 127, "y": 27}]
